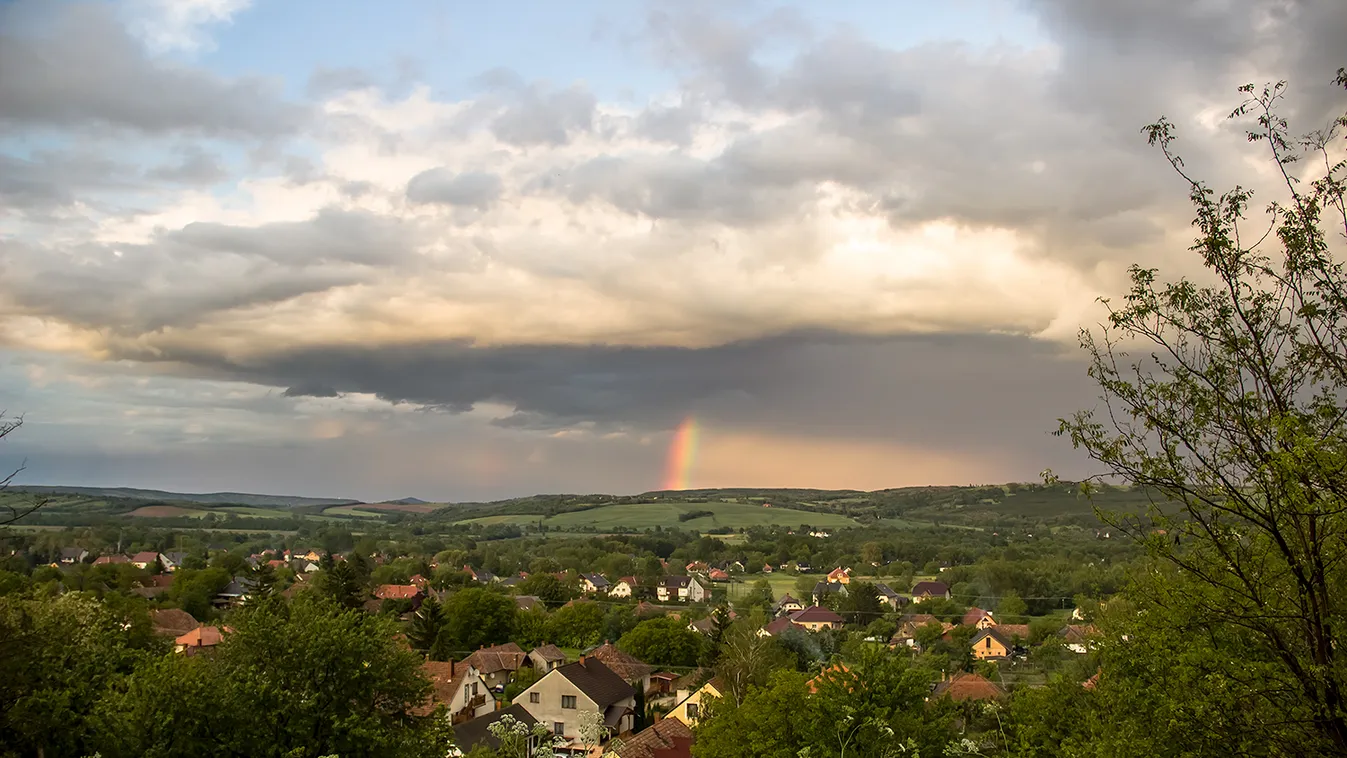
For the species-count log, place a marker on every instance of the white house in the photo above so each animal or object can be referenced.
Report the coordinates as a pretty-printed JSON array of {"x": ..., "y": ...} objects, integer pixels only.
[
  {"x": 625, "y": 587},
  {"x": 559, "y": 699}
]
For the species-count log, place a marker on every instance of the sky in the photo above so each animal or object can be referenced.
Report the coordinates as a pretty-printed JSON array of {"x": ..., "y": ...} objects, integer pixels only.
[{"x": 466, "y": 251}]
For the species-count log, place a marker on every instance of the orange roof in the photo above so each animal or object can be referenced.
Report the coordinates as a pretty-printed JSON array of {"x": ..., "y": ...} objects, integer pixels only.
[
  {"x": 969, "y": 687},
  {"x": 396, "y": 591},
  {"x": 202, "y": 636}
]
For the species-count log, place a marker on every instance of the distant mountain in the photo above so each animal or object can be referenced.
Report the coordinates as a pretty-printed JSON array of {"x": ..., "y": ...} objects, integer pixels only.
[
  {"x": 408, "y": 501},
  {"x": 209, "y": 498}
]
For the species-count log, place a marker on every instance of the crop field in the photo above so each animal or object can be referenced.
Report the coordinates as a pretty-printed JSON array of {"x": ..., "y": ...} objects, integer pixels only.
[
  {"x": 398, "y": 507},
  {"x": 638, "y": 516},
  {"x": 167, "y": 511},
  {"x": 349, "y": 511}
]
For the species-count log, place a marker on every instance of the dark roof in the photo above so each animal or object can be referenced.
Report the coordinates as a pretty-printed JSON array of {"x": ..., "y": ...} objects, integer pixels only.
[
  {"x": 666, "y": 738},
  {"x": 598, "y": 580},
  {"x": 472, "y": 733},
  {"x": 886, "y": 590},
  {"x": 175, "y": 558},
  {"x": 930, "y": 588},
  {"x": 528, "y": 602},
  {"x": 823, "y": 588},
  {"x": 779, "y": 625},
  {"x": 549, "y": 652},
  {"x": 815, "y": 614},
  {"x": 675, "y": 582},
  {"x": 599, "y": 683},
  {"x": 996, "y": 633},
  {"x": 73, "y": 553}
]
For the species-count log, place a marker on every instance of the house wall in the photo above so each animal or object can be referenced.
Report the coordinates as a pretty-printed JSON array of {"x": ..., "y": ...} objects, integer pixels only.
[
  {"x": 463, "y": 697},
  {"x": 989, "y": 647},
  {"x": 542, "y": 665},
  {"x": 621, "y": 589},
  {"x": 696, "y": 592},
  {"x": 548, "y": 709},
  {"x": 680, "y": 711},
  {"x": 814, "y": 626}
]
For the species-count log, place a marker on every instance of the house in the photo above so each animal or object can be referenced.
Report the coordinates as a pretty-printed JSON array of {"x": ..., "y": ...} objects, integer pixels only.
[
  {"x": 1078, "y": 638},
  {"x": 481, "y": 576},
  {"x": 819, "y": 533},
  {"x": 497, "y": 664},
  {"x": 237, "y": 591},
  {"x": 546, "y": 657},
  {"x": 70, "y": 555},
  {"x": 992, "y": 643},
  {"x": 803, "y": 567},
  {"x": 645, "y": 610},
  {"x": 562, "y": 694},
  {"x": 889, "y": 597},
  {"x": 400, "y": 592},
  {"x": 594, "y": 583},
  {"x": 511, "y": 581},
  {"x": 839, "y": 575},
  {"x": 529, "y": 602},
  {"x": 708, "y": 624},
  {"x": 699, "y": 566},
  {"x": 624, "y": 587},
  {"x": 171, "y": 622},
  {"x": 965, "y": 686},
  {"x": 685, "y": 588},
  {"x": 1017, "y": 633},
  {"x": 662, "y": 683},
  {"x": 306, "y": 566},
  {"x": 477, "y": 732},
  {"x": 978, "y": 618},
  {"x": 922, "y": 591},
  {"x": 908, "y": 626},
  {"x": 105, "y": 560},
  {"x": 666, "y": 738},
  {"x": 148, "y": 559},
  {"x": 815, "y": 618},
  {"x": 824, "y": 590},
  {"x": 787, "y": 604},
  {"x": 776, "y": 627},
  {"x": 717, "y": 575},
  {"x": 172, "y": 561},
  {"x": 689, "y": 705},
  {"x": 767, "y": 568},
  {"x": 460, "y": 688},
  {"x": 736, "y": 566},
  {"x": 202, "y": 639},
  {"x": 418, "y": 581},
  {"x": 633, "y": 670}
]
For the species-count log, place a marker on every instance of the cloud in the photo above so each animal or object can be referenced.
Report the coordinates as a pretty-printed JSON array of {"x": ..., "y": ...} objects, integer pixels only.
[
  {"x": 74, "y": 66},
  {"x": 440, "y": 185},
  {"x": 167, "y": 25}
]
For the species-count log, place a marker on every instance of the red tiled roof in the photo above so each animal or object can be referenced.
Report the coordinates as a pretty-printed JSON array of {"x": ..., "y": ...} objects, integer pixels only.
[
  {"x": 666, "y": 738},
  {"x": 974, "y": 615},
  {"x": 147, "y": 556},
  {"x": 627, "y": 666},
  {"x": 489, "y": 660},
  {"x": 106, "y": 559},
  {"x": 396, "y": 591},
  {"x": 171, "y": 621},
  {"x": 779, "y": 625},
  {"x": 815, "y": 614},
  {"x": 445, "y": 679},
  {"x": 202, "y": 636},
  {"x": 969, "y": 687}
]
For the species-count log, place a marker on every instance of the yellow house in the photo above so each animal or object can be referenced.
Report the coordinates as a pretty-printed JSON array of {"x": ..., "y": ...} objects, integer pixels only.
[
  {"x": 991, "y": 643},
  {"x": 815, "y": 618},
  {"x": 689, "y": 707}
]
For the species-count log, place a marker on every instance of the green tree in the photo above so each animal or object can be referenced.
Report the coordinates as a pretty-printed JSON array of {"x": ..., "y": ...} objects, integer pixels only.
[
  {"x": 547, "y": 588},
  {"x": 1011, "y": 609},
  {"x": 1232, "y": 413},
  {"x": 476, "y": 617},
  {"x": 341, "y": 585},
  {"x": 765, "y": 725},
  {"x": 861, "y": 604},
  {"x": 759, "y": 597},
  {"x": 426, "y": 626},
  {"x": 748, "y": 660},
  {"x": 577, "y": 625},
  {"x": 663, "y": 642}
]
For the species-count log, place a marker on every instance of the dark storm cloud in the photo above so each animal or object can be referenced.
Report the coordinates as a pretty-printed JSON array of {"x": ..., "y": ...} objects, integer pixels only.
[
  {"x": 951, "y": 390},
  {"x": 197, "y": 167},
  {"x": 441, "y": 185},
  {"x": 333, "y": 236},
  {"x": 52, "y": 179},
  {"x": 73, "y": 66}
]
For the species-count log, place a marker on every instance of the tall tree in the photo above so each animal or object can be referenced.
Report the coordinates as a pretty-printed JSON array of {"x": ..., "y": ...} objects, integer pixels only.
[
  {"x": 426, "y": 626},
  {"x": 1226, "y": 398}
]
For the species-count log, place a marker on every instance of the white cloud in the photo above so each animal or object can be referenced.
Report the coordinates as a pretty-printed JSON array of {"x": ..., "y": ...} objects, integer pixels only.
[{"x": 180, "y": 25}]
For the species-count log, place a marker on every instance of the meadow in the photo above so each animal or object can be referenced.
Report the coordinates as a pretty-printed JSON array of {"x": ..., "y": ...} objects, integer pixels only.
[{"x": 641, "y": 516}]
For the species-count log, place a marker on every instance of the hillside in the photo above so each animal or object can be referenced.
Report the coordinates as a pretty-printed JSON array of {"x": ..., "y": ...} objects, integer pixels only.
[{"x": 209, "y": 498}]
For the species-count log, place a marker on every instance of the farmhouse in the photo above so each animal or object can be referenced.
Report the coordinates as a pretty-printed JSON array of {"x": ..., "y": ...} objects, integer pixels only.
[{"x": 922, "y": 591}]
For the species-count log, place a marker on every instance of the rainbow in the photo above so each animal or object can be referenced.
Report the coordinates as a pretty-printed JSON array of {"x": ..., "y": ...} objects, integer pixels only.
[{"x": 682, "y": 454}]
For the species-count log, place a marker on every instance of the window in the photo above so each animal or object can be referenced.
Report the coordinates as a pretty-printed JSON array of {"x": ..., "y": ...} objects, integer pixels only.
[
  {"x": 558, "y": 728},
  {"x": 534, "y": 697},
  {"x": 692, "y": 709},
  {"x": 474, "y": 689},
  {"x": 568, "y": 701}
]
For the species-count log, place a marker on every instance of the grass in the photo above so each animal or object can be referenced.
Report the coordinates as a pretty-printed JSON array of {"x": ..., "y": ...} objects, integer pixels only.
[
  {"x": 731, "y": 515},
  {"x": 350, "y": 511}
]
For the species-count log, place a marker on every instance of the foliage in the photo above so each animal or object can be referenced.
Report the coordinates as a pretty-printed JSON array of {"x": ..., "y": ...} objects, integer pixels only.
[
  {"x": 580, "y": 624},
  {"x": 476, "y": 617},
  {"x": 423, "y": 633},
  {"x": 747, "y": 660},
  {"x": 1233, "y": 410},
  {"x": 663, "y": 641}
]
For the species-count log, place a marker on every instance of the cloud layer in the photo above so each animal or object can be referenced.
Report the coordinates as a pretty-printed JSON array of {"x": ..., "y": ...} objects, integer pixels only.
[{"x": 846, "y": 243}]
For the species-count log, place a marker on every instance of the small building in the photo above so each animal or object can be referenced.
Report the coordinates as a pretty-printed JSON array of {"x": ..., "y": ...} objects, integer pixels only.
[
  {"x": 529, "y": 602},
  {"x": 546, "y": 657},
  {"x": 840, "y": 575},
  {"x": 105, "y": 560},
  {"x": 148, "y": 559},
  {"x": 595, "y": 583},
  {"x": 787, "y": 604},
  {"x": 888, "y": 596},
  {"x": 824, "y": 590},
  {"x": 624, "y": 587},
  {"x": 408, "y": 592},
  {"x": 684, "y": 588},
  {"x": 991, "y": 644},
  {"x": 922, "y": 591},
  {"x": 497, "y": 664},
  {"x": 202, "y": 639},
  {"x": 172, "y": 622},
  {"x": 776, "y": 626},
  {"x": 173, "y": 560},
  {"x": 689, "y": 706},
  {"x": 979, "y": 618},
  {"x": 967, "y": 686},
  {"x": 717, "y": 575},
  {"x": 815, "y": 618},
  {"x": 633, "y": 670},
  {"x": 1079, "y": 638}
]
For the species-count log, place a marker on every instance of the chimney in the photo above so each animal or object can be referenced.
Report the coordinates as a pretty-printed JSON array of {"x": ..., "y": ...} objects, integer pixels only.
[
  {"x": 583, "y": 657},
  {"x": 451, "y": 668}
]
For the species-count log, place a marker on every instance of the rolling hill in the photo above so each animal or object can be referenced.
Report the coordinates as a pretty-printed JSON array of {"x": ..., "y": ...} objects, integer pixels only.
[{"x": 209, "y": 498}]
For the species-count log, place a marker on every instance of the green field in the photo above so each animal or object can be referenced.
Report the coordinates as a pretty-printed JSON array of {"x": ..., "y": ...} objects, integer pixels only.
[
  {"x": 349, "y": 511},
  {"x": 636, "y": 516}
]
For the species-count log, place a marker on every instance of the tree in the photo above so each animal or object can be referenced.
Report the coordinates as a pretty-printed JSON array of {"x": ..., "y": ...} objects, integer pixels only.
[
  {"x": 663, "y": 641},
  {"x": 577, "y": 625},
  {"x": 13, "y": 510},
  {"x": 1011, "y": 608},
  {"x": 548, "y": 589},
  {"x": 759, "y": 597},
  {"x": 861, "y": 604},
  {"x": 748, "y": 660},
  {"x": 427, "y": 624},
  {"x": 514, "y": 738},
  {"x": 872, "y": 553},
  {"x": 476, "y": 617},
  {"x": 1232, "y": 414},
  {"x": 341, "y": 584}
]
